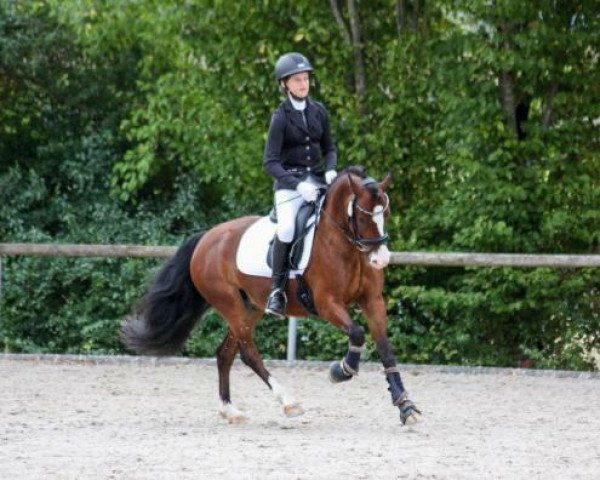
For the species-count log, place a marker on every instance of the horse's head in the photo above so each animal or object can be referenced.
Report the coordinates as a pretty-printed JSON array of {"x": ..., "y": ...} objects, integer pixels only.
[{"x": 366, "y": 206}]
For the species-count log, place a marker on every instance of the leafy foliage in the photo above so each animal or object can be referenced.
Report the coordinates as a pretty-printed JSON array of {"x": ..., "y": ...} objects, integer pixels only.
[{"x": 140, "y": 122}]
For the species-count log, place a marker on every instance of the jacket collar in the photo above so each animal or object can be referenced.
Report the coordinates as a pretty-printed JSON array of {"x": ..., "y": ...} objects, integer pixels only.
[{"x": 295, "y": 116}]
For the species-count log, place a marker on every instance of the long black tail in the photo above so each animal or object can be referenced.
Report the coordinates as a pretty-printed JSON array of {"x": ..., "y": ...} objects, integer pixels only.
[{"x": 169, "y": 310}]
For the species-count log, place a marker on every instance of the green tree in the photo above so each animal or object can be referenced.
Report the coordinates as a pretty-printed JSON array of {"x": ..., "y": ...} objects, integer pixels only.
[{"x": 126, "y": 121}]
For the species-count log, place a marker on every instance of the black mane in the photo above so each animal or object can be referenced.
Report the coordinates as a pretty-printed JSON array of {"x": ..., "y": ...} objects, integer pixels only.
[
  {"x": 359, "y": 171},
  {"x": 356, "y": 170}
]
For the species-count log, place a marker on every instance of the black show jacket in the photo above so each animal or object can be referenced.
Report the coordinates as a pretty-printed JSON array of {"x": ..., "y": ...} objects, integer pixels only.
[{"x": 295, "y": 150}]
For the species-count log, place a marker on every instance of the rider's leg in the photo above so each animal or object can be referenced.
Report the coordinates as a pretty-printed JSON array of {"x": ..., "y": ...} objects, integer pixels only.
[
  {"x": 277, "y": 298},
  {"x": 287, "y": 203}
]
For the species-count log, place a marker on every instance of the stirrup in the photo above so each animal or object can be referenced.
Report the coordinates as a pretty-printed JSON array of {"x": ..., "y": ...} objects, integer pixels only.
[{"x": 279, "y": 314}]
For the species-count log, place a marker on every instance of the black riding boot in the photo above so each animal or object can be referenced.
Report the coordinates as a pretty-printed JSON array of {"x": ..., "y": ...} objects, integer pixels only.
[{"x": 277, "y": 299}]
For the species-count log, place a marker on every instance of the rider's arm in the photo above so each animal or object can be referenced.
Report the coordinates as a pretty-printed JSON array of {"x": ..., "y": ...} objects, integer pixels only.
[
  {"x": 327, "y": 145},
  {"x": 273, "y": 148}
]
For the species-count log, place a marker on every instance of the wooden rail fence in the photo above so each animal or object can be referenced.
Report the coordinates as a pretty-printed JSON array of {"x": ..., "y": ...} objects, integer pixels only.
[{"x": 398, "y": 258}]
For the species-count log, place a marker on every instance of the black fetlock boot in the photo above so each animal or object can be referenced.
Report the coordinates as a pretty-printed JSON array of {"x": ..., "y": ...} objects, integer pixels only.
[
  {"x": 409, "y": 413},
  {"x": 277, "y": 298}
]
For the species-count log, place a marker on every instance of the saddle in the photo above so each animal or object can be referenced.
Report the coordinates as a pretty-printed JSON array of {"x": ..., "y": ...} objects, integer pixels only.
[{"x": 253, "y": 256}]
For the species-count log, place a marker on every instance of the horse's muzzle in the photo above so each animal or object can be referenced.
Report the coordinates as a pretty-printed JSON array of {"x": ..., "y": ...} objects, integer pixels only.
[{"x": 380, "y": 258}]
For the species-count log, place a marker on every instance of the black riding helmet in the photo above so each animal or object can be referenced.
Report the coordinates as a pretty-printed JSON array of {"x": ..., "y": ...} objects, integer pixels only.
[{"x": 291, "y": 63}]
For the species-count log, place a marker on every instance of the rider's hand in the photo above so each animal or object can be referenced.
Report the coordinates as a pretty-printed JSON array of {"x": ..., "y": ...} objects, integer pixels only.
[
  {"x": 330, "y": 176},
  {"x": 308, "y": 191}
]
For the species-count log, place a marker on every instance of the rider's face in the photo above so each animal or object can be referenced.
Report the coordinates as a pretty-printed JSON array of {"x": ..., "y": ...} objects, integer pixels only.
[{"x": 298, "y": 84}]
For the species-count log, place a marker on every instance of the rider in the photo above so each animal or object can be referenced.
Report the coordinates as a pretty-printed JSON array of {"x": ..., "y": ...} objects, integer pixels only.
[{"x": 300, "y": 156}]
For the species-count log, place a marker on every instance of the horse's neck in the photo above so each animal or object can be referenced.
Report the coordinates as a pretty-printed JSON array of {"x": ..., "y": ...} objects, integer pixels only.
[
  {"x": 333, "y": 225},
  {"x": 337, "y": 204}
]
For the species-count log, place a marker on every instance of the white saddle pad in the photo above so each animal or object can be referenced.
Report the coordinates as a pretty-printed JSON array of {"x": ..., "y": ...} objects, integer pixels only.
[{"x": 251, "y": 257}]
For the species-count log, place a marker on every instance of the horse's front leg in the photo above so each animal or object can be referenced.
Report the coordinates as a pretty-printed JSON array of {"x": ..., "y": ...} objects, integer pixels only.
[
  {"x": 345, "y": 369},
  {"x": 374, "y": 310}
]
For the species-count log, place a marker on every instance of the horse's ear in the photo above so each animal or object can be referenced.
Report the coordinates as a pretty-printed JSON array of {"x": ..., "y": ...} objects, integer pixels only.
[
  {"x": 353, "y": 188},
  {"x": 352, "y": 184},
  {"x": 385, "y": 183}
]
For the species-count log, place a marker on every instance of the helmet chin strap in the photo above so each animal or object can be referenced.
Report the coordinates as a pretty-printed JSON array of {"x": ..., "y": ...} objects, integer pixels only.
[
  {"x": 294, "y": 97},
  {"x": 298, "y": 99}
]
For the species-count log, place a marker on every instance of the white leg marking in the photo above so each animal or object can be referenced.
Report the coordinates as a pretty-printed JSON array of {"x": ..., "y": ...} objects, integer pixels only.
[
  {"x": 290, "y": 407},
  {"x": 280, "y": 392}
]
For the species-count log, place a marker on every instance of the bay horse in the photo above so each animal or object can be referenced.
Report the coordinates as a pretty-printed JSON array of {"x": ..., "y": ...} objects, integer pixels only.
[{"x": 345, "y": 268}]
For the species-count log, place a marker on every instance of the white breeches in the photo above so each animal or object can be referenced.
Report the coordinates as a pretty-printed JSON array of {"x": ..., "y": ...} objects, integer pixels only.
[{"x": 287, "y": 203}]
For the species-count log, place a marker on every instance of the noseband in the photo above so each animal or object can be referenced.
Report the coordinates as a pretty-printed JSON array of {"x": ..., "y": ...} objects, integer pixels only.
[{"x": 365, "y": 245}]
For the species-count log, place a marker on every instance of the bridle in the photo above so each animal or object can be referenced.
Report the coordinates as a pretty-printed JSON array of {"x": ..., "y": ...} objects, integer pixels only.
[
  {"x": 351, "y": 232},
  {"x": 362, "y": 243}
]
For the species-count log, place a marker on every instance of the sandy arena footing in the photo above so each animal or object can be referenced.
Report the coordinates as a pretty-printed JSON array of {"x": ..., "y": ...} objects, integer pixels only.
[{"x": 80, "y": 418}]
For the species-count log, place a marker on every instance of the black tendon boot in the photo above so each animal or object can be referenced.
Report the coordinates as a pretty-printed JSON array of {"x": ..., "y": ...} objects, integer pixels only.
[{"x": 277, "y": 299}]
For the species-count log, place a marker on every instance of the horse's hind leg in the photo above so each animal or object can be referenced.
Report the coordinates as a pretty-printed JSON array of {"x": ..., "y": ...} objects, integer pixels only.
[
  {"x": 225, "y": 357},
  {"x": 242, "y": 319},
  {"x": 251, "y": 357}
]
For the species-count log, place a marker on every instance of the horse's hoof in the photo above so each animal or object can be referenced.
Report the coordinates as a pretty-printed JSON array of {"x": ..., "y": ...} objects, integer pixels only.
[
  {"x": 239, "y": 419},
  {"x": 411, "y": 419},
  {"x": 409, "y": 413},
  {"x": 233, "y": 415},
  {"x": 294, "y": 410},
  {"x": 337, "y": 373}
]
